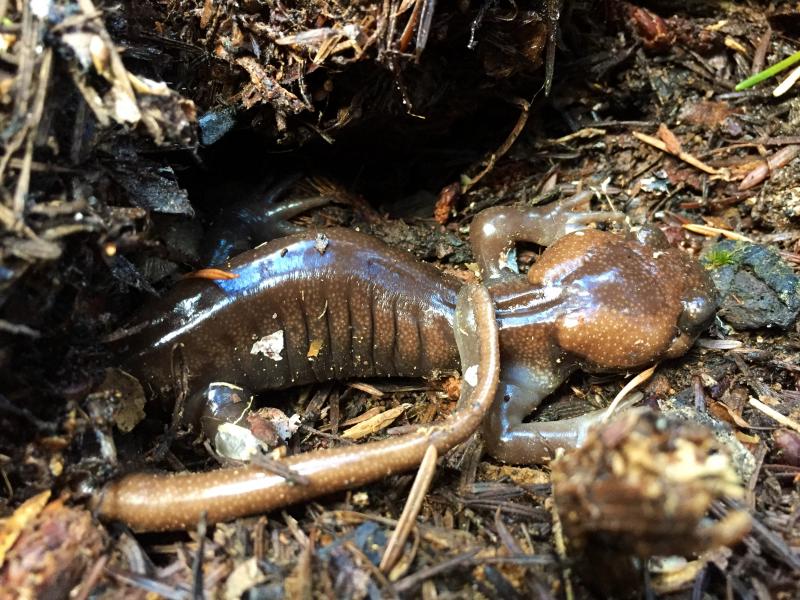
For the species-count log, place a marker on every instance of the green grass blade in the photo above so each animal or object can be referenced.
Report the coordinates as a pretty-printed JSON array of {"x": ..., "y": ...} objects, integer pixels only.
[{"x": 768, "y": 72}]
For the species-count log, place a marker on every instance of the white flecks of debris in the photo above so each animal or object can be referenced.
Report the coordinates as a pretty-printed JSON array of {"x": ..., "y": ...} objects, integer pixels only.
[
  {"x": 271, "y": 428},
  {"x": 270, "y": 346},
  {"x": 471, "y": 375},
  {"x": 125, "y": 109},
  {"x": 284, "y": 425},
  {"x": 508, "y": 260},
  {"x": 321, "y": 243},
  {"x": 80, "y": 44},
  {"x": 41, "y": 8},
  {"x": 655, "y": 185},
  {"x": 236, "y": 442}
]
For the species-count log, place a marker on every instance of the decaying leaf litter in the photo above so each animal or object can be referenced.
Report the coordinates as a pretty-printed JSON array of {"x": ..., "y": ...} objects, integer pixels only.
[{"x": 126, "y": 129}]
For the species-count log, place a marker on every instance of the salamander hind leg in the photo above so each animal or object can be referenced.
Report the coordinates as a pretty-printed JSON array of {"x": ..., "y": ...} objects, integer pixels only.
[
  {"x": 510, "y": 440},
  {"x": 220, "y": 403},
  {"x": 495, "y": 231}
]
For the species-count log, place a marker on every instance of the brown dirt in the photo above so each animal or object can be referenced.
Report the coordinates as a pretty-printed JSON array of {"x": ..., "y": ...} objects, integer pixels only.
[{"x": 107, "y": 183}]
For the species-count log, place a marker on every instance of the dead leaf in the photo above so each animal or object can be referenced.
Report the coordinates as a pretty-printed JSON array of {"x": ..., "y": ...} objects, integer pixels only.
[
  {"x": 444, "y": 205},
  {"x": 724, "y": 412},
  {"x": 745, "y": 438},
  {"x": 129, "y": 395},
  {"x": 13, "y": 526},
  {"x": 366, "y": 387},
  {"x": 243, "y": 578},
  {"x": 672, "y": 142},
  {"x": 375, "y": 410},
  {"x": 211, "y": 273},
  {"x": 705, "y": 113},
  {"x": 313, "y": 349},
  {"x": 376, "y": 423},
  {"x": 718, "y": 222}
]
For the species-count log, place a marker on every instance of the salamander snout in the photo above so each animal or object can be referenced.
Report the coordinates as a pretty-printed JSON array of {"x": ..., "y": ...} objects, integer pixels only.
[
  {"x": 698, "y": 312},
  {"x": 699, "y": 305}
]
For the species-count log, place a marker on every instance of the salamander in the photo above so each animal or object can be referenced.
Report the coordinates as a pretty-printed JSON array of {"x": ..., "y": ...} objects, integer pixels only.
[{"x": 338, "y": 304}]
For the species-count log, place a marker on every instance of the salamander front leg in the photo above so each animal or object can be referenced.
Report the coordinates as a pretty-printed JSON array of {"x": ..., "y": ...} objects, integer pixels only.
[
  {"x": 495, "y": 231},
  {"x": 509, "y": 440}
]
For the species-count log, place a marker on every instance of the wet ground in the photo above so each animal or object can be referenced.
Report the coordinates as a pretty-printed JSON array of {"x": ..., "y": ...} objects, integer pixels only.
[{"x": 108, "y": 188}]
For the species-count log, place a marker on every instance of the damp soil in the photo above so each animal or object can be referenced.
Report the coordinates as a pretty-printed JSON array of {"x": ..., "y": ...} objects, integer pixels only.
[{"x": 128, "y": 129}]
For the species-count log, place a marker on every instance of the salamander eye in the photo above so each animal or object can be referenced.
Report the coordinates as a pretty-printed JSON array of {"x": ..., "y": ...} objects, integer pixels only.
[
  {"x": 697, "y": 314},
  {"x": 652, "y": 237}
]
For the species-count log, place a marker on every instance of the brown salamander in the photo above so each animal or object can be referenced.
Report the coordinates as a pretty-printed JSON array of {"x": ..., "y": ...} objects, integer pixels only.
[{"x": 594, "y": 300}]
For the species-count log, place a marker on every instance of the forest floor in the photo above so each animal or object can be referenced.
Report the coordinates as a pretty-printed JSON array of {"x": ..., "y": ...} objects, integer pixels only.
[{"x": 127, "y": 129}]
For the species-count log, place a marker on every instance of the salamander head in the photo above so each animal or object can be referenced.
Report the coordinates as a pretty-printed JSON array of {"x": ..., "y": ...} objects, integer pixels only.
[{"x": 629, "y": 300}]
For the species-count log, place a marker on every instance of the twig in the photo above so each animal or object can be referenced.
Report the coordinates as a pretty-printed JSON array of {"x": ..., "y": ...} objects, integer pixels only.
[
  {"x": 412, "y": 581},
  {"x": 275, "y": 467},
  {"x": 87, "y": 585},
  {"x": 787, "y": 84},
  {"x": 147, "y": 584},
  {"x": 424, "y": 28},
  {"x": 760, "y": 56},
  {"x": 633, "y": 383},
  {"x": 468, "y": 182},
  {"x": 366, "y": 563},
  {"x": 19, "y": 329},
  {"x": 712, "y": 344},
  {"x": 22, "y": 94},
  {"x": 408, "y": 31},
  {"x": 197, "y": 561},
  {"x": 552, "y": 13},
  {"x": 585, "y": 134},
  {"x": 684, "y": 156},
  {"x": 9, "y": 408},
  {"x": 775, "y": 161},
  {"x": 34, "y": 118},
  {"x": 709, "y": 231},
  {"x": 422, "y": 482},
  {"x": 559, "y": 542},
  {"x": 771, "y": 412}
]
